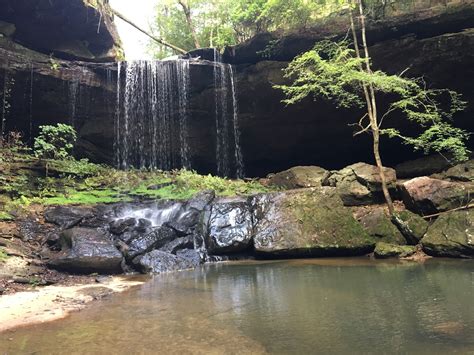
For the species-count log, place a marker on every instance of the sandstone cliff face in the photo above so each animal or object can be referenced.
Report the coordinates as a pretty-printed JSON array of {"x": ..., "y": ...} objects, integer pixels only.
[
  {"x": 68, "y": 29},
  {"x": 435, "y": 41}
]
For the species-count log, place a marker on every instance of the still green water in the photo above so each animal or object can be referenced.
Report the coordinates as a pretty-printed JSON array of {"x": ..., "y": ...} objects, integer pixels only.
[{"x": 318, "y": 306}]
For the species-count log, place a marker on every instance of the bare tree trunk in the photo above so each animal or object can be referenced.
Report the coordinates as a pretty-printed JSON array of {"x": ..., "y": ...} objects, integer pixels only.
[
  {"x": 371, "y": 102},
  {"x": 189, "y": 20}
]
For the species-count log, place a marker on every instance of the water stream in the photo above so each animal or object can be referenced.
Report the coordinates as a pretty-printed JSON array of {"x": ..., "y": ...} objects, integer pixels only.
[{"x": 326, "y": 306}]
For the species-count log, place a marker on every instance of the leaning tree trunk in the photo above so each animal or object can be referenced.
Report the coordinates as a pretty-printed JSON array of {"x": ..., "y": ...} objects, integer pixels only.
[{"x": 369, "y": 93}]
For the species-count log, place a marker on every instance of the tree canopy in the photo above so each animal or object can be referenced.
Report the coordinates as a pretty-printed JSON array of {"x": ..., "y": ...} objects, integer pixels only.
[{"x": 217, "y": 23}]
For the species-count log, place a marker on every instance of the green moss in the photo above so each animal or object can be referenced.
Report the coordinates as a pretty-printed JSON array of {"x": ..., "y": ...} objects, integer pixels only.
[
  {"x": 386, "y": 250},
  {"x": 4, "y": 216},
  {"x": 324, "y": 220},
  {"x": 417, "y": 224},
  {"x": 3, "y": 255},
  {"x": 60, "y": 182}
]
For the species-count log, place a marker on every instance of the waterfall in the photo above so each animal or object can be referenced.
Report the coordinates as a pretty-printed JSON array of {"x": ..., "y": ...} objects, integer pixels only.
[
  {"x": 30, "y": 105},
  {"x": 227, "y": 126},
  {"x": 7, "y": 87},
  {"x": 152, "y": 113}
]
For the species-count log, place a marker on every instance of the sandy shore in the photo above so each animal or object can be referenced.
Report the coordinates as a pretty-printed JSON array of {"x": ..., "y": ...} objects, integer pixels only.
[{"x": 54, "y": 302}]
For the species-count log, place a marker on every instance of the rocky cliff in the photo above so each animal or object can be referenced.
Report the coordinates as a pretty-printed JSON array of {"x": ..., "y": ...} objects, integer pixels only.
[{"x": 433, "y": 40}]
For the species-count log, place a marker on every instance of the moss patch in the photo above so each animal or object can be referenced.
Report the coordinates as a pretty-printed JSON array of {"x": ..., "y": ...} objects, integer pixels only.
[{"x": 386, "y": 250}]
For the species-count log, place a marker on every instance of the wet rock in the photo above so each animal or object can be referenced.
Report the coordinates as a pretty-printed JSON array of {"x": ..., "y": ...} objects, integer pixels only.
[
  {"x": 229, "y": 226},
  {"x": 425, "y": 195},
  {"x": 307, "y": 222},
  {"x": 188, "y": 219},
  {"x": 386, "y": 250},
  {"x": 146, "y": 242},
  {"x": 299, "y": 177},
  {"x": 67, "y": 217},
  {"x": 178, "y": 244},
  {"x": 452, "y": 234},
  {"x": 191, "y": 255},
  {"x": 120, "y": 226},
  {"x": 422, "y": 167},
  {"x": 379, "y": 226},
  {"x": 87, "y": 250},
  {"x": 360, "y": 184},
  {"x": 158, "y": 261}
]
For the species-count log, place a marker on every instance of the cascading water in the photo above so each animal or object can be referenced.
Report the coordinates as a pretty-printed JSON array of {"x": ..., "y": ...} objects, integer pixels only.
[
  {"x": 227, "y": 127},
  {"x": 151, "y": 115}
]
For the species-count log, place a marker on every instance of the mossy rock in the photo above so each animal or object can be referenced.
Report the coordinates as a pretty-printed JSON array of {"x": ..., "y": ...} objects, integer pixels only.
[
  {"x": 452, "y": 234},
  {"x": 386, "y": 250},
  {"x": 416, "y": 223},
  {"x": 299, "y": 177},
  {"x": 307, "y": 222},
  {"x": 378, "y": 224}
]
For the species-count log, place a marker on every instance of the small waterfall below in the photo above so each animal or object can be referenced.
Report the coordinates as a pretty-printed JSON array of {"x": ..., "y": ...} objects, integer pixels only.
[
  {"x": 151, "y": 115},
  {"x": 228, "y": 151}
]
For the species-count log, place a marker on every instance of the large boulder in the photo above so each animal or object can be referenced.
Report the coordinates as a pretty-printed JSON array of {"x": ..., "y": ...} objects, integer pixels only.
[
  {"x": 360, "y": 184},
  {"x": 422, "y": 167},
  {"x": 461, "y": 172},
  {"x": 425, "y": 195},
  {"x": 379, "y": 226},
  {"x": 452, "y": 234},
  {"x": 307, "y": 222},
  {"x": 87, "y": 250},
  {"x": 299, "y": 177},
  {"x": 67, "y": 217},
  {"x": 229, "y": 226},
  {"x": 158, "y": 261},
  {"x": 146, "y": 242}
]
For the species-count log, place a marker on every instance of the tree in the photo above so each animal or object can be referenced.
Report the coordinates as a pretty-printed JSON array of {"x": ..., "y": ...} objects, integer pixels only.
[
  {"x": 192, "y": 24},
  {"x": 335, "y": 71}
]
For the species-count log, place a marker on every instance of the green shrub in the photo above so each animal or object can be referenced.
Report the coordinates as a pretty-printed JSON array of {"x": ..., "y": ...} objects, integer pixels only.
[{"x": 55, "y": 142}]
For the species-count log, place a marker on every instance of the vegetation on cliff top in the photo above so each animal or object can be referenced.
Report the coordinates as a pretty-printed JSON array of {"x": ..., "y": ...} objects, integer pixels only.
[{"x": 32, "y": 179}]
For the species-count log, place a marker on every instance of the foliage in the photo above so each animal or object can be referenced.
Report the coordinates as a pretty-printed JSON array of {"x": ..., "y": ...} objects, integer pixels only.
[
  {"x": 331, "y": 70},
  {"x": 219, "y": 23},
  {"x": 55, "y": 142}
]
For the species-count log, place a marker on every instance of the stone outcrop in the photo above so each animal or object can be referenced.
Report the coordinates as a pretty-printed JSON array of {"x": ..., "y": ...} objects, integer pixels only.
[
  {"x": 452, "y": 234},
  {"x": 311, "y": 222},
  {"x": 299, "y": 177},
  {"x": 425, "y": 195},
  {"x": 360, "y": 184},
  {"x": 87, "y": 250},
  {"x": 379, "y": 226},
  {"x": 68, "y": 29}
]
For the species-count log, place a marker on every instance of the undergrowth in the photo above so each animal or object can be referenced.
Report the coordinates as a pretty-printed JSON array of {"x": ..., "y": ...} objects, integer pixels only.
[{"x": 27, "y": 180}]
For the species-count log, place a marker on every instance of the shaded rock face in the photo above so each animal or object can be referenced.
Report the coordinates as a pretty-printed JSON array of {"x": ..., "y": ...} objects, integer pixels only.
[
  {"x": 360, "y": 184},
  {"x": 68, "y": 29},
  {"x": 87, "y": 250},
  {"x": 422, "y": 167},
  {"x": 299, "y": 177},
  {"x": 452, "y": 234},
  {"x": 274, "y": 137},
  {"x": 307, "y": 223},
  {"x": 425, "y": 195},
  {"x": 160, "y": 236},
  {"x": 379, "y": 226}
]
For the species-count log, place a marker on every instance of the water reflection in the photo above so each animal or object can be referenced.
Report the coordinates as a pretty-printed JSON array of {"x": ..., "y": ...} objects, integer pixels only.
[{"x": 298, "y": 306}]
